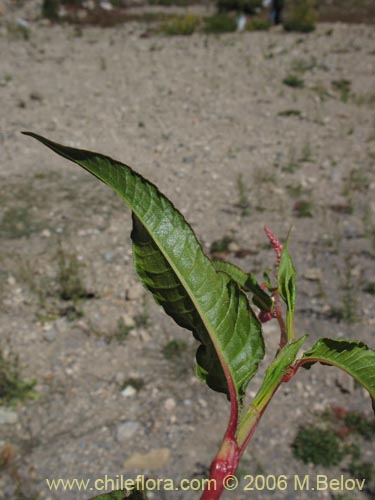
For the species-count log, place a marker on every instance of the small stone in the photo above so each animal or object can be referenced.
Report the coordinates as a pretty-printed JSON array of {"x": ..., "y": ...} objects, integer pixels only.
[
  {"x": 135, "y": 292},
  {"x": 143, "y": 335},
  {"x": 312, "y": 274},
  {"x": 233, "y": 247},
  {"x": 50, "y": 335},
  {"x": 154, "y": 459},
  {"x": 108, "y": 256},
  {"x": 82, "y": 14},
  {"x": 89, "y": 4},
  {"x": 128, "y": 320},
  {"x": 189, "y": 159},
  {"x": 129, "y": 391},
  {"x": 106, "y": 5},
  {"x": 11, "y": 280},
  {"x": 126, "y": 430},
  {"x": 8, "y": 416},
  {"x": 170, "y": 404},
  {"x": 46, "y": 233}
]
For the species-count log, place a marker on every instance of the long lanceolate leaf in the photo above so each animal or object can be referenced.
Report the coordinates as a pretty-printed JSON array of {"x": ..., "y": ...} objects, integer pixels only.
[
  {"x": 355, "y": 358},
  {"x": 172, "y": 265}
]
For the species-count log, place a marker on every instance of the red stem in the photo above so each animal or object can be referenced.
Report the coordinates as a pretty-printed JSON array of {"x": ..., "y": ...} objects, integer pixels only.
[
  {"x": 227, "y": 459},
  {"x": 222, "y": 469}
]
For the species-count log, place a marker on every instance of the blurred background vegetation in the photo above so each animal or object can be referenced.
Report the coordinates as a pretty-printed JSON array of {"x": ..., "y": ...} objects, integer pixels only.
[{"x": 187, "y": 16}]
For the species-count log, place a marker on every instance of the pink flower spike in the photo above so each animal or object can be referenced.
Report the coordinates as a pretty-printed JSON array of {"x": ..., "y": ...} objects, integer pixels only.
[{"x": 276, "y": 245}]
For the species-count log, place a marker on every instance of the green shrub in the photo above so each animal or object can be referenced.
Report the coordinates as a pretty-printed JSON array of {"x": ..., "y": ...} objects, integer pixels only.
[
  {"x": 220, "y": 23},
  {"x": 362, "y": 470},
  {"x": 12, "y": 387},
  {"x": 221, "y": 245},
  {"x": 258, "y": 24},
  {"x": 50, "y": 9},
  {"x": 358, "y": 423},
  {"x": 68, "y": 277},
  {"x": 246, "y": 6},
  {"x": 317, "y": 446},
  {"x": 181, "y": 25},
  {"x": 342, "y": 86},
  {"x": 303, "y": 208},
  {"x": 301, "y": 16},
  {"x": 293, "y": 81}
]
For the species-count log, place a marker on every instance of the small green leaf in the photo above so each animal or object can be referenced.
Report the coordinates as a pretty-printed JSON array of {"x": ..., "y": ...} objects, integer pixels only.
[
  {"x": 354, "y": 357},
  {"x": 287, "y": 288},
  {"x": 172, "y": 265},
  {"x": 287, "y": 279}
]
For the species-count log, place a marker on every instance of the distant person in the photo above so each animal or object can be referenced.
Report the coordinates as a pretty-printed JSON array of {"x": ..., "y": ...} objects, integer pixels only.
[{"x": 277, "y": 11}]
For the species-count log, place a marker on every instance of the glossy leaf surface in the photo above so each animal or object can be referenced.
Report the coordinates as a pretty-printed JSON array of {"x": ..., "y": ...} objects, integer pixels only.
[{"x": 172, "y": 265}]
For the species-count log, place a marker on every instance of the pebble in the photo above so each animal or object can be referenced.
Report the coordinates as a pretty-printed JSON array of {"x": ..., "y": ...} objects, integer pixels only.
[
  {"x": 50, "y": 335},
  {"x": 8, "y": 416},
  {"x": 189, "y": 159},
  {"x": 108, "y": 256},
  {"x": 154, "y": 459},
  {"x": 135, "y": 292},
  {"x": 233, "y": 246},
  {"x": 46, "y": 233},
  {"x": 169, "y": 404},
  {"x": 128, "y": 320},
  {"x": 126, "y": 430},
  {"x": 312, "y": 274},
  {"x": 11, "y": 280},
  {"x": 129, "y": 391}
]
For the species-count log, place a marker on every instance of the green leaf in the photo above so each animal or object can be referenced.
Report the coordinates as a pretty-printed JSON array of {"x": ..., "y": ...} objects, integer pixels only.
[
  {"x": 354, "y": 357},
  {"x": 172, "y": 265},
  {"x": 287, "y": 288},
  {"x": 247, "y": 282},
  {"x": 159, "y": 278}
]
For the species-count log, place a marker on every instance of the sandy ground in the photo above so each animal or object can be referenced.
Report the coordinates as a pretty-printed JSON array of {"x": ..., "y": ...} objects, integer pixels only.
[{"x": 210, "y": 121}]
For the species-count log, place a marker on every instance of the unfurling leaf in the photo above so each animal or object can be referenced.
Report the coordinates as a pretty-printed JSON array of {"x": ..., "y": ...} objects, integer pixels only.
[
  {"x": 287, "y": 288},
  {"x": 247, "y": 282}
]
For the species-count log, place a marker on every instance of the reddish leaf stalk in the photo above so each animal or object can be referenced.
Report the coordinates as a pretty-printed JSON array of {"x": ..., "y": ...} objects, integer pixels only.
[{"x": 278, "y": 313}]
